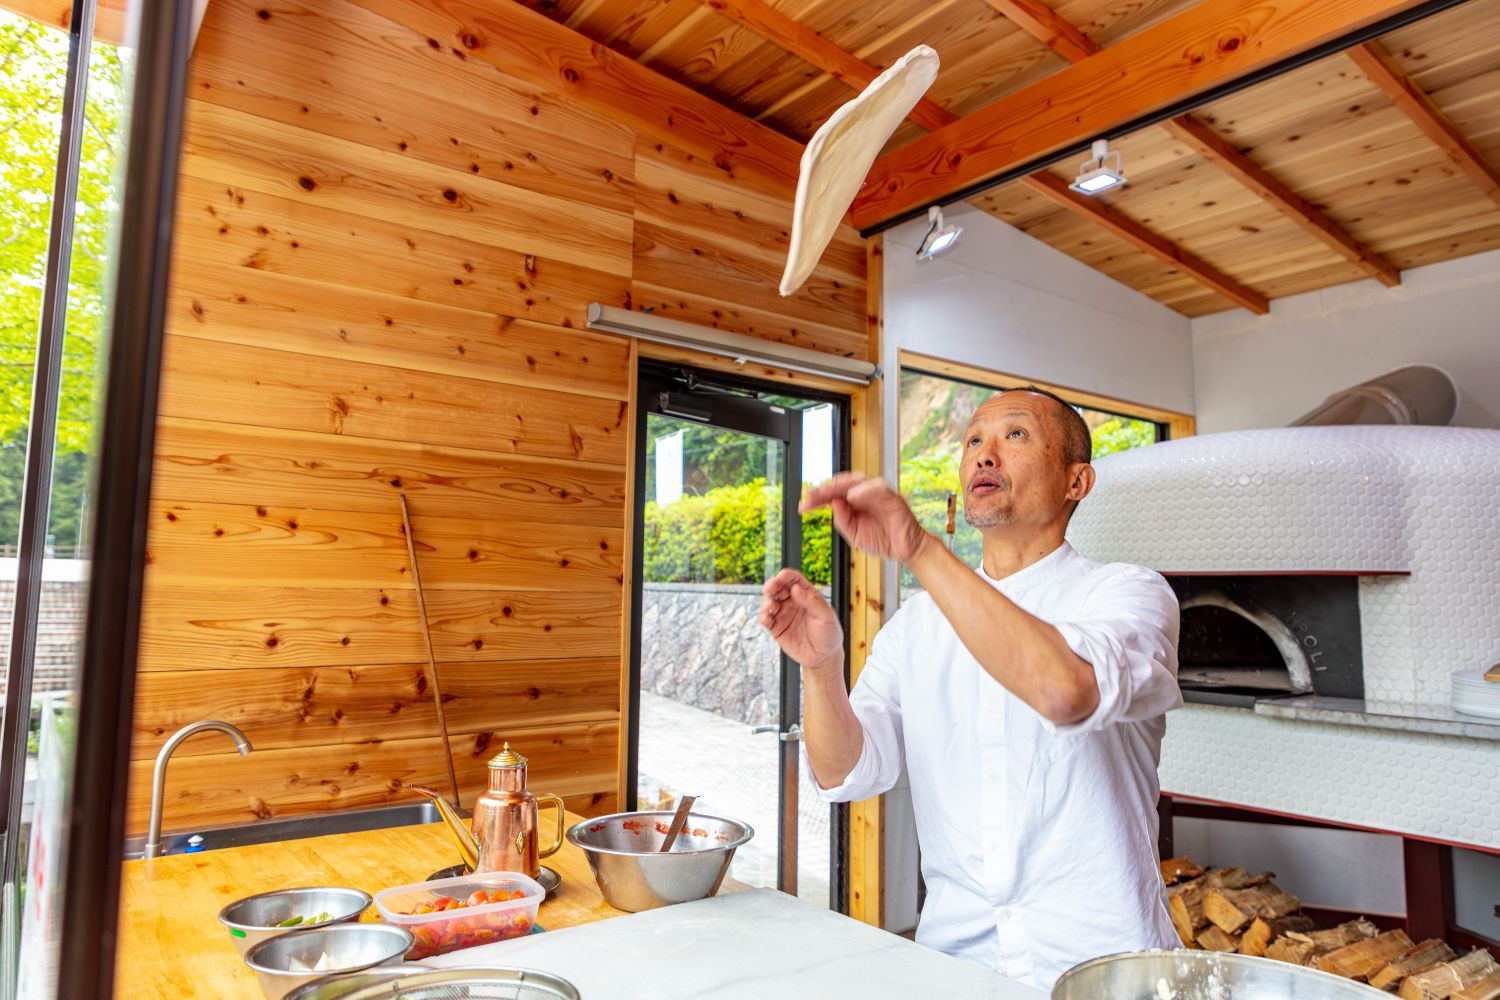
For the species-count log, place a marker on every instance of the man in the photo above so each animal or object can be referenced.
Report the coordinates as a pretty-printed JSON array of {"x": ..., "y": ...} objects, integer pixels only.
[{"x": 1026, "y": 701}]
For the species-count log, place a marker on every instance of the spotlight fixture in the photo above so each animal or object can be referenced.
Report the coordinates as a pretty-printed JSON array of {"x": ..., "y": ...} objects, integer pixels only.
[
  {"x": 940, "y": 238},
  {"x": 1100, "y": 172}
]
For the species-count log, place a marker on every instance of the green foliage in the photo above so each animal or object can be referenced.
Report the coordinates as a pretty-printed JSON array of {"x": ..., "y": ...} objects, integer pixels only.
[
  {"x": 33, "y": 63},
  {"x": 720, "y": 537},
  {"x": 1122, "y": 434}
]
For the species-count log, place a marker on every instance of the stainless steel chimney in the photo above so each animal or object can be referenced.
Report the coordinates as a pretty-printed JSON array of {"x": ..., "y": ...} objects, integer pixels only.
[{"x": 1416, "y": 394}]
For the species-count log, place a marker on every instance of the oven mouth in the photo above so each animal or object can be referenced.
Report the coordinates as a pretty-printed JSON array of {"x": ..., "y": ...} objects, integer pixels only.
[{"x": 1231, "y": 651}]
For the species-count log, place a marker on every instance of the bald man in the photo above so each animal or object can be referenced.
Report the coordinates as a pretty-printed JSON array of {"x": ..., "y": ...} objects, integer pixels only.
[{"x": 1026, "y": 699}]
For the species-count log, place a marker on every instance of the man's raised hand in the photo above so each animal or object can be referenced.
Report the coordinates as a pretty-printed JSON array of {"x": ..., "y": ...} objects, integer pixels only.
[
  {"x": 803, "y": 624},
  {"x": 870, "y": 515}
]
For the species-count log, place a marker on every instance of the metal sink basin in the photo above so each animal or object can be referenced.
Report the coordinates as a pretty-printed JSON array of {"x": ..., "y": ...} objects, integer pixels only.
[{"x": 293, "y": 828}]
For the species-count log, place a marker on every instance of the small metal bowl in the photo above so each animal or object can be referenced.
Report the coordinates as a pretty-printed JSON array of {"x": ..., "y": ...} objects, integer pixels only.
[
  {"x": 624, "y": 853},
  {"x": 253, "y": 919},
  {"x": 348, "y": 947}
]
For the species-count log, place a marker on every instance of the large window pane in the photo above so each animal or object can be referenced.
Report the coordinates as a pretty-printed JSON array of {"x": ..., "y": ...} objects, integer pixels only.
[{"x": 35, "y": 72}]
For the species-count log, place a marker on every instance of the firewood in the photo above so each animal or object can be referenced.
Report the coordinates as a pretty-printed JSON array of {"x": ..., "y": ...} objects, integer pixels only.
[
  {"x": 1261, "y": 932},
  {"x": 1233, "y": 878},
  {"x": 1301, "y": 947},
  {"x": 1441, "y": 981},
  {"x": 1487, "y": 988},
  {"x": 1232, "y": 909},
  {"x": 1358, "y": 960},
  {"x": 1292, "y": 948},
  {"x": 1214, "y": 939},
  {"x": 1349, "y": 932},
  {"x": 1186, "y": 910},
  {"x": 1174, "y": 870},
  {"x": 1388, "y": 977}
]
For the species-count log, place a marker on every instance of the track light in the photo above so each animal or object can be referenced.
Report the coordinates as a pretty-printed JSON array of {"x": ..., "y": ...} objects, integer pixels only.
[
  {"x": 1100, "y": 172},
  {"x": 940, "y": 238}
]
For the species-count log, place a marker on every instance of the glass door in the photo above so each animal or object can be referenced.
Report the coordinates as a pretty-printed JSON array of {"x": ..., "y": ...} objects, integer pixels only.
[{"x": 717, "y": 707}]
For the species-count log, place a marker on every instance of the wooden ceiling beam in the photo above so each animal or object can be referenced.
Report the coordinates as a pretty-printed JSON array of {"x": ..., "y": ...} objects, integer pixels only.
[
  {"x": 1043, "y": 23},
  {"x": 1208, "y": 144},
  {"x": 530, "y": 46},
  {"x": 811, "y": 47},
  {"x": 1115, "y": 221},
  {"x": 1210, "y": 43},
  {"x": 1392, "y": 78}
]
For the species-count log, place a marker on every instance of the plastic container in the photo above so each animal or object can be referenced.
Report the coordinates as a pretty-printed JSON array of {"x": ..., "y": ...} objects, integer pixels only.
[{"x": 450, "y": 929}]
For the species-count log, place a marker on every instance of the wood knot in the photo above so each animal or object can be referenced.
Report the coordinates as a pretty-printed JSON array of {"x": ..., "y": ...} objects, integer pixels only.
[
  {"x": 264, "y": 15},
  {"x": 449, "y": 194},
  {"x": 306, "y": 182},
  {"x": 470, "y": 40}
]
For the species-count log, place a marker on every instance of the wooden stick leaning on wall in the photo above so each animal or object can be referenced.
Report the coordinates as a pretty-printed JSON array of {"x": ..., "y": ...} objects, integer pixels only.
[{"x": 432, "y": 670}]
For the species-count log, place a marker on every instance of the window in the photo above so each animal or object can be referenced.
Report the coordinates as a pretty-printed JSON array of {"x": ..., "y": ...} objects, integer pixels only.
[{"x": 935, "y": 401}]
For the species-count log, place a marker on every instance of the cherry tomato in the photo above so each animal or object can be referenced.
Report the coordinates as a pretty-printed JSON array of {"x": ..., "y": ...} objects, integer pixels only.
[{"x": 478, "y": 898}]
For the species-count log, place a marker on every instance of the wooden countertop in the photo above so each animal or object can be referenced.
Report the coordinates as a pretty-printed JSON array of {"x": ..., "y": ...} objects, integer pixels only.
[{"x": 171, "y": 944}]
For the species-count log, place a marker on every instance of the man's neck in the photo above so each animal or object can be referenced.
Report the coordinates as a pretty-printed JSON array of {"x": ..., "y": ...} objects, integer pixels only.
[{"x": 1012, "y": 548}]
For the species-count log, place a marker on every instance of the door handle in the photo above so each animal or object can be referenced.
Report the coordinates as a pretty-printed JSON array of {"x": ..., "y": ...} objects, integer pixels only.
[{"x": 792, "y": 734}]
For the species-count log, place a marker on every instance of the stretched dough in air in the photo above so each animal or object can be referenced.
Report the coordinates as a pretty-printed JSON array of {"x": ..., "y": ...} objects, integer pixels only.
[{"x": 840, "y": 154}]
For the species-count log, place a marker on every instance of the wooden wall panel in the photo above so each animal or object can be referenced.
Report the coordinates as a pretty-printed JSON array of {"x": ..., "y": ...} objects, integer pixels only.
[
  {"x": 575, "y": 760},
  {"x": 296, "y": 706},
  {"x": 189, "y": 628},
  {"x": 385, "y": 251}
]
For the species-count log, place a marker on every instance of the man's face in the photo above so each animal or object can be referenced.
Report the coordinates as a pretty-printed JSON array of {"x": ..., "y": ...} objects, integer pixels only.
[{"x": 1013, "y": 468}]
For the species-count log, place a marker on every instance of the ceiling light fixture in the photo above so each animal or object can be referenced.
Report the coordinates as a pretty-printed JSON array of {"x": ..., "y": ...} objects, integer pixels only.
[
  {"x": 940, "y": 238},
  {"x": 1100, "y": 172}
]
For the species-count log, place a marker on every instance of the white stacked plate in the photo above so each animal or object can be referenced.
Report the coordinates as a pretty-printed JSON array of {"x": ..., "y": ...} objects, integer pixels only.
[{"x": 1473, "y": 695}]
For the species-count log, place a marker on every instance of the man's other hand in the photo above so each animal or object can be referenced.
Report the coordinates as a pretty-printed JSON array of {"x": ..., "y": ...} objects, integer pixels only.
[
  {"x": 803, "y": 624},
  {"x": 870, "y": 515}
]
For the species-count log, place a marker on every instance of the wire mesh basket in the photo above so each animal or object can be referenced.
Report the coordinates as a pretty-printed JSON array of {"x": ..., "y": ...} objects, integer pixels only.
[{"x": 444, "y": 984}]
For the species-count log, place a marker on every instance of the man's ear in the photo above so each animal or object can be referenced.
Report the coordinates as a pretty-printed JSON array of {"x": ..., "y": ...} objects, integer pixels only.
[{"x": 1080, "y": 480}]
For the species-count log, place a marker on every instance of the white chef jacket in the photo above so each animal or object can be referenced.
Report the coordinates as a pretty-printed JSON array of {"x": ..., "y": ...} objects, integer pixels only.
[{"x": 1038, "y": 840}]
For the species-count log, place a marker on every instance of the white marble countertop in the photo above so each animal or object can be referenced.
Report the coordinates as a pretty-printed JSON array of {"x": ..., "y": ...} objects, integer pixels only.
[
  {"x": 743, "y": 946},
  {"x": 1440, "y": 720}
]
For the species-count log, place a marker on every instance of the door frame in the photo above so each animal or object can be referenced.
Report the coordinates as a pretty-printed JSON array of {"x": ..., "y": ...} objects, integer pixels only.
[{"x": 746, "y": 416}]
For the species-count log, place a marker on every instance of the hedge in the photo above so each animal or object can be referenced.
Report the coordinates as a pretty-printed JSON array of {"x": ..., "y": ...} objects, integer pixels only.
[{"x": 733, "y": 520}]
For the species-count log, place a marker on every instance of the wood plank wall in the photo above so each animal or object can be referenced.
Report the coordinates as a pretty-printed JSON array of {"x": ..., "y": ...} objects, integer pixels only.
[{"x": 384, "y": 253}]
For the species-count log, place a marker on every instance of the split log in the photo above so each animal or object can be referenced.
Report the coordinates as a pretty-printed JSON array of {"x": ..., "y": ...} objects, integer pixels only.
[
  {"x": 1358, "y": 960},
  {"x": 1430, "y": 952},
  {"x": 1294, "y": 949},
  {"x": 1302, "y": 947},
  {"x": 1487, "y": 988},
  {"x": 1441, "y": 981},
  {"x": 1261, "y": 932},
  {"x": 1214, "y": 939},
  {"x": 1232, "y": 909},
  {"x": 1174, "y": 870}
]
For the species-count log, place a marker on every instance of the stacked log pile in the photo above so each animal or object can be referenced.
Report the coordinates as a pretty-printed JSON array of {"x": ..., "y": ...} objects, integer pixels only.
[{"x": 1231, "y": 910}]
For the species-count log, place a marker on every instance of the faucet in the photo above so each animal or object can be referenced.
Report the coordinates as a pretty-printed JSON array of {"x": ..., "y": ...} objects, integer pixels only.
[{"x": 159, "y": 775}]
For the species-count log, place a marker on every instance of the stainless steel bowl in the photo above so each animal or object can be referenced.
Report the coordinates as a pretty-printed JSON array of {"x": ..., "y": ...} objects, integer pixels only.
[
  {"x": 1202, "y": 975},
  {"x": 253, "y": 919},
  {"x": 341, "y": 986},
  {"x": 623, "y": 851},
  {"x": 348, "y": 947}
]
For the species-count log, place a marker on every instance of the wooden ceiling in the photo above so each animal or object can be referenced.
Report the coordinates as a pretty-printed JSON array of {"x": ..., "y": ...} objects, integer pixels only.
[{"x": 1312, "y": 179}]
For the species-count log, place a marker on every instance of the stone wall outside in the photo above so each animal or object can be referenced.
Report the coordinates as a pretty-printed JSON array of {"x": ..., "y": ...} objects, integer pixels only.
[{"x": 702, "y": 645}]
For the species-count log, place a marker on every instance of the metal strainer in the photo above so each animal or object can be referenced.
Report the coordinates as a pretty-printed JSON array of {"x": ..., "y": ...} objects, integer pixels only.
[{"x": 446, "y": 984}]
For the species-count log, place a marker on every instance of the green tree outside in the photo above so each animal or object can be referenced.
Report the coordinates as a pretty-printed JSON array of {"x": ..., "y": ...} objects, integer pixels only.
[{"x": 33, "y": 64}]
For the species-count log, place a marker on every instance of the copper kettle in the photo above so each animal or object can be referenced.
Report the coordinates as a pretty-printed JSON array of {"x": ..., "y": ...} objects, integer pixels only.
[{"x": 504, "y": 836}]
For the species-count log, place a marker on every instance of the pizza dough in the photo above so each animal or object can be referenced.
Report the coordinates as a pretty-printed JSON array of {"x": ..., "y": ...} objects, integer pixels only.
[{"x": 840, "y": 154}]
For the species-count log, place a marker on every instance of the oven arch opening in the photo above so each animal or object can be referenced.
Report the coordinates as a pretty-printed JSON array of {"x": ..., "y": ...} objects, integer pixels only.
[{"x": 1230, "y": 646}]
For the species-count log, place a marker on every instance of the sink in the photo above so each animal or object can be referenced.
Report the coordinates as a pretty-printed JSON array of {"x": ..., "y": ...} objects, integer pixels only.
[{"x": 293, "y": 828}]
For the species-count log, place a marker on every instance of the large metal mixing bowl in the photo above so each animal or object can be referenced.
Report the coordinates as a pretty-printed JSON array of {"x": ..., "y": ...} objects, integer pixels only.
[
  {"x": 1202, "y": 975},
  {"x": 623, "y": 851}
]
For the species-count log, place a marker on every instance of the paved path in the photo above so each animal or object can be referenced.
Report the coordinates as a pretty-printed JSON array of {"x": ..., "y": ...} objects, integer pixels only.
[{"x": 687, "y": 751}]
